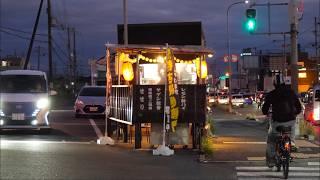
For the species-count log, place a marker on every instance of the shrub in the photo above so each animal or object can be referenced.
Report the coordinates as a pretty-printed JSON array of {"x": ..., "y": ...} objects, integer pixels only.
[{"x": 207, "y": 146}]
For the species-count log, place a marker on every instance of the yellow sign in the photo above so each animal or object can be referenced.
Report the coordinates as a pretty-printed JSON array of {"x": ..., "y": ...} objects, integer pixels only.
[{"x": 172, "y": 87}]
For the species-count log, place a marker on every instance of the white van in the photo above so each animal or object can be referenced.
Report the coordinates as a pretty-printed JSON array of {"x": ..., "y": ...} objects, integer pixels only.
[
  {"x": 24, "y": 102},
  {"x": 312, "y": 109}
]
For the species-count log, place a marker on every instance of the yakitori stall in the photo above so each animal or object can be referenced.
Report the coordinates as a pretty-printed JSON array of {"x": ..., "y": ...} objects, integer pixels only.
[{"x": 162, "y": 86}]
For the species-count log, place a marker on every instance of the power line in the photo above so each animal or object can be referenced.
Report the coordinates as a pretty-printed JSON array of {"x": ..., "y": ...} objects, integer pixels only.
[
  {"x": 21, "y": 37},
  {"x": 20, "y": 31},
  {"x": 59, "y": 57},
  {"x": 60, "y": 49}
]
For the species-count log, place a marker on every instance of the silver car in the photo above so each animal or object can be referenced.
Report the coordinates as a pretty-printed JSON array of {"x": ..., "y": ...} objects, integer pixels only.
[{"x": 90, "y": 101}]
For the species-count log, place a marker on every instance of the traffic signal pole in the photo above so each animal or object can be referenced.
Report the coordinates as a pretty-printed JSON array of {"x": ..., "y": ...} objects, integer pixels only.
[{"x": 293, "y": 38}]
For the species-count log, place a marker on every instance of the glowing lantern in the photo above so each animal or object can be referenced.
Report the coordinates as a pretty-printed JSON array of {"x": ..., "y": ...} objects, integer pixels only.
[
  {"x": 127, "y": 71},
  {"x": 204, "y": 68}
]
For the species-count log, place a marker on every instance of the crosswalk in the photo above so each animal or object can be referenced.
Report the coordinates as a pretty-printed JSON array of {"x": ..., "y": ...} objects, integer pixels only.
[{"x": 306, "y": 171}]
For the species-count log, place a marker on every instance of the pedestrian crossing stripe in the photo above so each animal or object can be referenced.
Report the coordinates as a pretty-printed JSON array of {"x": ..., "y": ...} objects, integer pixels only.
[
  {"x": 278, "y": 174},
  {"x": 291, "y": 178},
  {"x": 310, "y": 172},
  {"x": 313, "y": 163},
  {"x": 262, "y": 168}
]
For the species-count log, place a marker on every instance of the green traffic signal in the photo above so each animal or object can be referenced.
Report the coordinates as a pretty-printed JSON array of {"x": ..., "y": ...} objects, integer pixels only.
[{"x": 251, "y": 24}]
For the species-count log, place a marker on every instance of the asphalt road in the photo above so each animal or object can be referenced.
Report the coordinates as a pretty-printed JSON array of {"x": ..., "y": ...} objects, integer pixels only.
[{"x": 70, "y": 152}]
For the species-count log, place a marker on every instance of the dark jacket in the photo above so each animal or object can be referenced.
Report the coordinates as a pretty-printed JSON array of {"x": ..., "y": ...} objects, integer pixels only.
[{"x": 278, "y": 96}]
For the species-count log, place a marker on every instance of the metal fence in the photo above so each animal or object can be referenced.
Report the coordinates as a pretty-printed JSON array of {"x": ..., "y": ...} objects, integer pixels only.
[{"x": 121, "y": 104}]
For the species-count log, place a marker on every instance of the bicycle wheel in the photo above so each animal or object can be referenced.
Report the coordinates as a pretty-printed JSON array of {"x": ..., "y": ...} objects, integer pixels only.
[{"x": 285, "y": 166}]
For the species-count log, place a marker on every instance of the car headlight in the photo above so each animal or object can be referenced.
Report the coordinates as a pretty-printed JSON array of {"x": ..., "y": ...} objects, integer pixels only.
[{"x": 42, "y": 103}]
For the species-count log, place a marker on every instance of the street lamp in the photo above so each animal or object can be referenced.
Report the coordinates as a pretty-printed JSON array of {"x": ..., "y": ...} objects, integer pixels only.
[{"x": 229, "y": 56}]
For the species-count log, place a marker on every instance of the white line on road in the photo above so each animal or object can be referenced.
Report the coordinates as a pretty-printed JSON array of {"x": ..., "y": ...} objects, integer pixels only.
[
  {"x": 96, "y": 129},
  {"x": 267, "y": 178},
  {"x": 278, "y": 174},
  {"x": 256, "y": 158},
  {"x": 313, "y": 163},
  {"x": 62, "y": 110},
  {"x": 74, "y": 124},
  {"x": 244, "y": 142},
  {"x": 4, "y": 142},
  {"x": 262, "y": 168}
]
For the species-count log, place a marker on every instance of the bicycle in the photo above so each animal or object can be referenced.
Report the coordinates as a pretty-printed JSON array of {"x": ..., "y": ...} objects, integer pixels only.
[{"x": 283, "y": 149}]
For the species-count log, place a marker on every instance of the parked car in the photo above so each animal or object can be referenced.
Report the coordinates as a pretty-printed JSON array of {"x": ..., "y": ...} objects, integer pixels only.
[
  {"x": 312, "y": 109},
  {"x": 90, "y": 101},
  {"x": 237, "y": 100}
]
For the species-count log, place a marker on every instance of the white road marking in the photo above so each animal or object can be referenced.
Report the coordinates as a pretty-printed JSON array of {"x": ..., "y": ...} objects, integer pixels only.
[
  {"x": 256, "y": 158},
  {"x": 96, "y": 129},
  {"x": 313, "y": 163},
  {"x": 278, "y": 174},
  {"x": 262, "y": 168},
  {"x": 3, "y": 142},
  {"x": 62, "y": 110},
  {"x": 244, "y": 142},
  {"x": 267, "y": 178},
  {"x": 74, "y": 124}
]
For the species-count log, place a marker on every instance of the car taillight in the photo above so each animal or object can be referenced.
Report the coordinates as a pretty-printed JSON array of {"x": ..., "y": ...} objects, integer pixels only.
[
  {"x": 79, "y": 102},
  {"x": 287, "y": 146},
  {"x": 311, "y": 117}
]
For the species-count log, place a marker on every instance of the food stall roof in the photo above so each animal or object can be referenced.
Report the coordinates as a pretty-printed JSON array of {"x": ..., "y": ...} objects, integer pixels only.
[{"x": 138, "y": 49}]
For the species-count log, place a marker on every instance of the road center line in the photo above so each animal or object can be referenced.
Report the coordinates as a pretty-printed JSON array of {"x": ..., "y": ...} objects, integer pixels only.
[{"x": 96, "y": 129}]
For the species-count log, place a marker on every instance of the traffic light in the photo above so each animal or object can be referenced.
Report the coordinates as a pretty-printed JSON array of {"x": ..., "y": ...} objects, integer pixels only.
[
  {"x": 251, "y": 24},
  {"x": 227, "y": 82}
]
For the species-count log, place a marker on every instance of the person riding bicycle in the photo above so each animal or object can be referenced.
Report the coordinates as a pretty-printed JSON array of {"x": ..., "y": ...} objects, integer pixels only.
[{"x": 285, "y": 106}]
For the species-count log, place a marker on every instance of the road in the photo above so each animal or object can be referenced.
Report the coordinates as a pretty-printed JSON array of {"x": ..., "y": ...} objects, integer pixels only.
[{"x": 70, "y": 152}]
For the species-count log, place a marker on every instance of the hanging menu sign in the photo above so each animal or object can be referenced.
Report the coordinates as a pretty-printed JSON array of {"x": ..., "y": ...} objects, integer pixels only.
[{"x": 148, "y": 103}]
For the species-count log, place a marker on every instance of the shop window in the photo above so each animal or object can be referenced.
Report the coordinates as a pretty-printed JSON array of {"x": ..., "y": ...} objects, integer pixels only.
[{"x": 153, "y": 74}]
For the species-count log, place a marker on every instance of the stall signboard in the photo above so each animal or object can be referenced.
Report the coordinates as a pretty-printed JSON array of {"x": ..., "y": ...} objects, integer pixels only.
[{"x": 148, "y": 103}]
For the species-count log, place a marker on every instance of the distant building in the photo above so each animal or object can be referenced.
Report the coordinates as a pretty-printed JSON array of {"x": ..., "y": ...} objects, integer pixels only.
[
  {"x": 259, "y": 67},
  {"x": 11, "y": 62}
]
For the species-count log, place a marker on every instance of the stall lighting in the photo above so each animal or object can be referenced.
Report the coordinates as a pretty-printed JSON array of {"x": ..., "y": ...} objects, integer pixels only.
[
  {"x": 1, "y": 122},
  {"x": 302, "y": 75},
  {"x": 210, "y": 55},
  {"x": 127, "y": 71},
  {"x": 160, "y": 59},
  {"x": 204, "y": 69}
]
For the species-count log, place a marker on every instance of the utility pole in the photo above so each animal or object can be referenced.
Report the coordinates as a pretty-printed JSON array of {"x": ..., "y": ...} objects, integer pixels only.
[
  {"x": 69, "y": 55},
  {"x": 125, "y": 23},
  {"x": 38, "y": 63},
  {"x": 294, "y": 46},
  {"x": 49, "y": 44},
  {"x": 316, "y": 36},
  {"x": 33, "y": 36},
  {"x": 74, "y": 59}
]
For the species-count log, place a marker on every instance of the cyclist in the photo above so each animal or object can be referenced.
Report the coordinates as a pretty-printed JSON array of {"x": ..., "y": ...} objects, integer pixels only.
[{"x": 285, "y": 106}]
